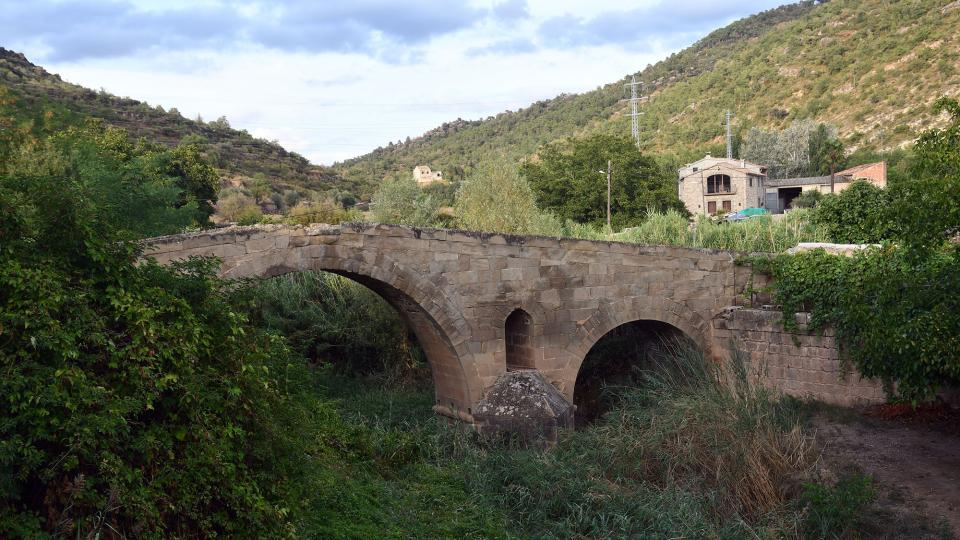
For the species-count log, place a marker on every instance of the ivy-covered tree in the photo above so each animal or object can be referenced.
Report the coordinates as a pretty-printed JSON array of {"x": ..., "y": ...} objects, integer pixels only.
[
  {"x": 569, "y": 179},
  {"x": 926, "y": 207},
  {"x": 896, "y": 309}
]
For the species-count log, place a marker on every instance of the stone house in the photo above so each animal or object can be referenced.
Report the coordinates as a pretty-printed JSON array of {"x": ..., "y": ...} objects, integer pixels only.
[
  {"x": 779, "y": 193},
  {"x": 424, "y": 176},
  {"x": 716, "y": 184}
]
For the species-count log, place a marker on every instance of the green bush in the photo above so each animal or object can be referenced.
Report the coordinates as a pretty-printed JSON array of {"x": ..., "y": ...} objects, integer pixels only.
[
  {"x": 495, "y": 198},
  {"x": 807, "y": 199},
  {"x": 240, "y": 209},
  {"x": 856, "y": 215},
  {"x": 897, "y": 317},
  {"x": 135, "y": 401},
  {"x": 330, "y": 319},
  {"x": 323, "y": 211},
  {"x": 400, "y": 201},
  {"x": 834, "y": 511}
]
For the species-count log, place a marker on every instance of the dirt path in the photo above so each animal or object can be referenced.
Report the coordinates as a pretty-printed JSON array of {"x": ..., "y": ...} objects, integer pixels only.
[{"x": 916, "y": 468}]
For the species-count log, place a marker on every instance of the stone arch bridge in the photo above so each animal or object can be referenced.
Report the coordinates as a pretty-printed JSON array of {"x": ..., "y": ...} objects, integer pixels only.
[{"x": 482, "y": 304}]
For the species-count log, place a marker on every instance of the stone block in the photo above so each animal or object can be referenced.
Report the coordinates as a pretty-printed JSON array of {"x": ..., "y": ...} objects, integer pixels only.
[{"x": 511, "y": 274}]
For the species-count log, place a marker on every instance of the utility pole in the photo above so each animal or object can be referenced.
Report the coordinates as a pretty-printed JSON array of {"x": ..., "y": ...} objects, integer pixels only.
[
  {"x": 729, "y": 137},
  {"x": 634, "y": 113},
  {"x": 608, "y": 194}
]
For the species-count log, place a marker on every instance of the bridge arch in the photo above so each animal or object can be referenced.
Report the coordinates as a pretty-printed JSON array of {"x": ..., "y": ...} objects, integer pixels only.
[
  {"x": 661, "y": 313},
  {"x": 433, "y": 317}
]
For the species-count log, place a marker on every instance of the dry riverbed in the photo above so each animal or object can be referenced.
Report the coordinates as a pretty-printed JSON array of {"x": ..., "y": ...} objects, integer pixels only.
[{"x": 914, "y": 459}]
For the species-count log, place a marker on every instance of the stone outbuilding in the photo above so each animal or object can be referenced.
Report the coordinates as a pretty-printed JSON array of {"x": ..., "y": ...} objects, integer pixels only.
[
  {"x": 424, "y": 176},
  {"x": 780, "y": 193}
]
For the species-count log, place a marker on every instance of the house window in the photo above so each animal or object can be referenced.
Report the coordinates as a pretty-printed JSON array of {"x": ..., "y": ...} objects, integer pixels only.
[
  {"x": 726, "y": 206},
  {"x": 517, "y": 328},
  {"x": 751, "y": 181},
  {"x": 712, "y": 207},
  {"x": 718, "y": 183}
]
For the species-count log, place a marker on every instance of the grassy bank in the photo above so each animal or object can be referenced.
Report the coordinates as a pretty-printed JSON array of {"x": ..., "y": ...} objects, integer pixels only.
[{"x": 694, "y": 452}]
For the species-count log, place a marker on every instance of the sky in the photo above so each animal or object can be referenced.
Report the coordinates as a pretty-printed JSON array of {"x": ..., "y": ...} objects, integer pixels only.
[{"x": 333, "y": 79}]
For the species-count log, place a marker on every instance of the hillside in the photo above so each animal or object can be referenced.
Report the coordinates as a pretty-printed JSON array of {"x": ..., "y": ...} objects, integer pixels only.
[
  {"x": 236, "y": 153},
  {"x": 870, "y": 67}
]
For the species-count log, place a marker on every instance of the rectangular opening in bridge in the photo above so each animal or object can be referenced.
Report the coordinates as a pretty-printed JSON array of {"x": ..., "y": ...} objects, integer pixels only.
[{"x": 518, "y": 328}]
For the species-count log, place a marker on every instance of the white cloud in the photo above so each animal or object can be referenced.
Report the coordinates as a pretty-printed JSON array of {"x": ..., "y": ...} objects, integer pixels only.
[{"x": 330, "y": 103}]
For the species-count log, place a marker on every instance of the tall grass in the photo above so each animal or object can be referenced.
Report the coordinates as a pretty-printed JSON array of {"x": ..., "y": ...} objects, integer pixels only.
[
  {"x": 697, "y": 451},
  {"x": 330, "y": 319},
  {"x": 762, "y": 234}
]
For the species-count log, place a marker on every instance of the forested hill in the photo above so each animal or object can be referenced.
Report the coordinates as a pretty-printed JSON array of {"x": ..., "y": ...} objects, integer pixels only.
[
  {"x": 870, "y": 67},
  {"x": 44, "y": 97}
]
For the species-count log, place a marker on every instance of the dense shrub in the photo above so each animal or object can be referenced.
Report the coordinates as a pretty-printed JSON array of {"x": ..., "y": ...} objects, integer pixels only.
[
  {"x": 856, "y": 215},
  {"x": 495, "y": 198},
  {"x": 399, "y": 200},
  {"x": 330, "y": 319},
  {"x": 897, "y": 317},
  {"x": 134, "y": 401},
  {"x": 239, "y": 208},
  {"x": 323, "y": 211},
  {"x": 807, "y": 199}
]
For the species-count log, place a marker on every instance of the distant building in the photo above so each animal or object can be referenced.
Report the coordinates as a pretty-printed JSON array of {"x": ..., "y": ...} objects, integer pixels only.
[
  {"x": 715, "y": 184},
  {"x": 424, "y": 176},
  {"x": 780, "y": 192}
]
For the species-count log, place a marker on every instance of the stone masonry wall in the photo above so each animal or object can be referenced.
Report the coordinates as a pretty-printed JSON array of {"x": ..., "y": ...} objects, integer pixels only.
[
  {"x": 797, "y": 363},
  {"x": 456, "y": 290}
]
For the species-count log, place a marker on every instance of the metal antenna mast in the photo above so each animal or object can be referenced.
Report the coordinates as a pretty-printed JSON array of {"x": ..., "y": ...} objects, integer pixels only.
[
  {"x": 634, "y": 114},
  {"x": 729, "y": 138}
]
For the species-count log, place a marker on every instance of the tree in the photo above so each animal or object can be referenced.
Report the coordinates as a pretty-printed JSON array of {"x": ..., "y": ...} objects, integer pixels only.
[
  {"x": 566, "y": 179},
  {"x": 400, "y": 201},
  {"x": 761, "y": 147},
  {"x": 927, "y": 205},
  {"x": 198, "y": 181},
  {"x": 495, "y": 198},
  {"x": 123, "y": 380},
  {"x": 804, "y": 148},
  {"x": 826, "y": 151},
  {"x": 259, "y": 187},
  {"x": 221, "y": 124},
  {"x": 134, "y": 193}
]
